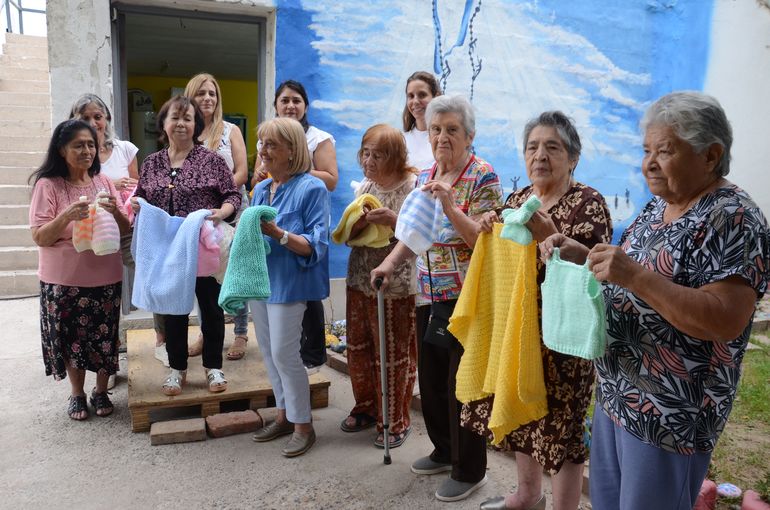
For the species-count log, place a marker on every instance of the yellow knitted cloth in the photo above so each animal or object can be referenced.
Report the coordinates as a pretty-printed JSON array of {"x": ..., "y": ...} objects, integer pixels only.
[
  {"x": 496, "y": 322},
  {"x": 373, "y": 236}
]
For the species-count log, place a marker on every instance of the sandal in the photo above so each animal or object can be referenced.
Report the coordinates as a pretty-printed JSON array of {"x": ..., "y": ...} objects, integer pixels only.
[
  {"x": 395, "y": 440},
  {"x": 238, "y": 348},
  {"x": 102, "y": 403},
  {"x": 173, "y": 384},
  {"x": 196, "y": 348},
  {"x": 363, "y": 421},
  {"x": 217, "y": 381},
  {"x": 76, "y": 406}
]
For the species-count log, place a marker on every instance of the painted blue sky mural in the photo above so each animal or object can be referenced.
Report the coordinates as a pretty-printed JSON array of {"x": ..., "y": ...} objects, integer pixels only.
[{"x": 601, "y": 62}]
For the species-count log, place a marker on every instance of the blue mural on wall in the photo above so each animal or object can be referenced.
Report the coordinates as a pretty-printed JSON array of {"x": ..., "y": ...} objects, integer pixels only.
[{"x": 601, "y": 62}]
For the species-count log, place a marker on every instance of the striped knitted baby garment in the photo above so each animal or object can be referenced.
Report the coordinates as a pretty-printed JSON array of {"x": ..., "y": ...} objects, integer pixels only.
[
  {"x": 246, "y": 276},
  {"x": 496, "y": 322},
  {"x": 99, "y": 232},
  {"x": 573, "y": 309},
  {"x": 419, "y": 220},
  {"x": 372, "y": 236}
]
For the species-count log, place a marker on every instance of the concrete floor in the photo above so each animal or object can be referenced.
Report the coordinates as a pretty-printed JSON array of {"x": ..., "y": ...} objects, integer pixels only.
[{"x": 47, "y": 460}]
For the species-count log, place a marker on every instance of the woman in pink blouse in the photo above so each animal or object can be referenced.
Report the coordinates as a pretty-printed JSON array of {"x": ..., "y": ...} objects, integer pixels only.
[
  {"x": 180, "y": 179},
  {"x": 79, "y": 292}
]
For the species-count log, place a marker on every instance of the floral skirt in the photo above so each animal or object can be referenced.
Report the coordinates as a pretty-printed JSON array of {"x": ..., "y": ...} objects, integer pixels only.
[{"x": 79, "y": 328}]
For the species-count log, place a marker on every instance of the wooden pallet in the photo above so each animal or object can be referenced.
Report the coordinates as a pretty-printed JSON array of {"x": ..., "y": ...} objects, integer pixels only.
[{"x": 247, "y": 380}]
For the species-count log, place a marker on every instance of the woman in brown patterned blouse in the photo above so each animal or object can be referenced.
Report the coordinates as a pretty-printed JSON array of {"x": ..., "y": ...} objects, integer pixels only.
[{"x": 555, "y": 442}]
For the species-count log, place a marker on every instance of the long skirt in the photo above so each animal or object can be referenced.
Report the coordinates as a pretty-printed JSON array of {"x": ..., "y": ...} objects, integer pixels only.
[
  {"x": 364, "y": 356},
  {"x": 79, "y": 328}
]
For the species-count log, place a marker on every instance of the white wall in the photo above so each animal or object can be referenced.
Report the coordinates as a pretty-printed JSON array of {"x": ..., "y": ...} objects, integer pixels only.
[{"x": 739, "y": 77}]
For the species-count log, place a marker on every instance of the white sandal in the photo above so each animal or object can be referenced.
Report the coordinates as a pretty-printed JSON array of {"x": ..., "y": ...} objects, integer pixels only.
[
  {"x": 173, "y": 384},
  {"x": 217, "y": 381}
]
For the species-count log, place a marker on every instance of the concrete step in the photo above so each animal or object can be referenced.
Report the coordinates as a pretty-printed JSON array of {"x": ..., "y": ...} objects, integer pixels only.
[
  {"x": 32, "y": 128},
  {"x": 15, "y": 174},
  {"x": 22, "y": 62},
  {"x": 26, "y": 40},
  {"x": 18, "y": 258},
  {"x": 25, "y": 99},
  {"x": 14, "y": 214},
  {"x": 19, "y": 158},
  {"x": 16, "y": 235},
  {"x": 25, "y": 50},
  {"x": 15, "y": 194},
  {"x": 25, "y": 86},
  {"x": 19, "y": 73},
  {"x": 24, "y": 143},
  {"x": 19, "y": 283},
  {"x": 28, "y": 113}
]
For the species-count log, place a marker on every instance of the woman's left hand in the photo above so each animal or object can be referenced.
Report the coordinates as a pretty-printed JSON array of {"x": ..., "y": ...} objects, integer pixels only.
[
  {"x": 270, "y": 229},
  {"x": 610, "y": 264},
  {"x": 109, "y": 204},
  {"x": 382, "y": 216},
  {"x": 125, "y": 184},
  {"x": 441, "y": 191}
]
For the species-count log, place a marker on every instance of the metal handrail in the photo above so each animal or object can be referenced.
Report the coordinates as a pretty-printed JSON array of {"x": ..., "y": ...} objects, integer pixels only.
[{"x": 20, "y": 9}]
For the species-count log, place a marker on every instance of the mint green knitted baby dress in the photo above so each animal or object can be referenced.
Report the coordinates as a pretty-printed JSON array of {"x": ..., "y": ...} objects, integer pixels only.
[{"x": 573, "y": 309}]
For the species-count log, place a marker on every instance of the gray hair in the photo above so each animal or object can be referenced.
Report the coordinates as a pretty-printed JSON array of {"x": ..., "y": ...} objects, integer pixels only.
[
  {"x": 87, "y": 99},
  {"x": 696, "y": 118},
  {"x": 564, "y": 127},
  {"x": 453, "y": 104}
]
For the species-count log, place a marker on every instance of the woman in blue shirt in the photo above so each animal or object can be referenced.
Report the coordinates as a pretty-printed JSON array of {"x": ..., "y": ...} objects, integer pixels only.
[{"x": 298, "y": 269}]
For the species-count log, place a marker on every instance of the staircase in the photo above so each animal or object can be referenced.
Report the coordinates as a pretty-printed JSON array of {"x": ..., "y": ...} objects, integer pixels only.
[{"x": 25, "y": 130}]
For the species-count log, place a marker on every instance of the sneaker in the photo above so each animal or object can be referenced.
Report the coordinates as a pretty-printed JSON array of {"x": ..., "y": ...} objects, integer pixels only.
[
  {"x": 161, "y": 354},
  {"x": 452, "y": 490},
  {"x": 312, "y": 369},
  {"x": 428, "y": 466}
]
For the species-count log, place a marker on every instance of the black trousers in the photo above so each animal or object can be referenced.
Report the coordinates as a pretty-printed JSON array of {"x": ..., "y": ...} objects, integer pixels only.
[
  {"x": 422, "y": 318},
  {"x": 312, "y": 346},
  {"x": 212, "y": 324},
  {"x": 465, "y": 450}
]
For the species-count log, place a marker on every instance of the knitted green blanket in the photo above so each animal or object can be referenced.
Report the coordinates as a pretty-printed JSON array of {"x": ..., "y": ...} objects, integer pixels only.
[{"x": 246, "y": 276}]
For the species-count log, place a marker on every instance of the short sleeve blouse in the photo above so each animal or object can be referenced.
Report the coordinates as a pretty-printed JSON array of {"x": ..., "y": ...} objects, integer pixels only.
[
  {"x": 123, "y": 153},
  {"x": 664, "y": 387}
]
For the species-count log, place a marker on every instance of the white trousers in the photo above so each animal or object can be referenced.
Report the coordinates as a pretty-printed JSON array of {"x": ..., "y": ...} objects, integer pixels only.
[{"x": 278, "y": 329}]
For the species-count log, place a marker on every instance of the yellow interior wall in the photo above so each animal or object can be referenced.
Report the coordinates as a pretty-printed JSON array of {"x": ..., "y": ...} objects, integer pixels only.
[{"x": 239, "y": 96}]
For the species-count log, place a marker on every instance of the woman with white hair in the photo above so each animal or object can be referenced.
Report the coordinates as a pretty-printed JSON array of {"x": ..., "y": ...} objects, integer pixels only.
[
  {"x": 681, "y": 288},
  {"x": 466, "y": 186}
]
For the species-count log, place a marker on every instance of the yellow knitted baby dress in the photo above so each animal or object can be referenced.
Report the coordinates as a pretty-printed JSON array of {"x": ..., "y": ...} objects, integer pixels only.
[
  {"x": 496, "y": 322},
  {"x": 373, "y": 236}
]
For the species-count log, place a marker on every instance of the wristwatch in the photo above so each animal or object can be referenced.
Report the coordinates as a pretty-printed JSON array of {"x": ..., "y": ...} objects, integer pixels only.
[{"x": 284, "y": 238}]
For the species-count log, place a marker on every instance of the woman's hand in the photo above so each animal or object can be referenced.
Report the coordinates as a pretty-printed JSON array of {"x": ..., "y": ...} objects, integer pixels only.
[
  {"x": 76, "y": 211},
  {"x": 487, "y": 220},
  {"x": 125, "y": 183},
  {"x": 383, "y": 273},
  {"x": 109, "y": 204},
  {"x": 541, "y": 225},
  {"x": 218, "y": 215},
  {"x": 441, "y": 191},
  {"x": 270, "y": 229},
  {"x": 135, "y": 205},
  {"x": 382, "y": 216},
  {"x": 569, "y": 249},
  {"x": 610, "y": 264}
]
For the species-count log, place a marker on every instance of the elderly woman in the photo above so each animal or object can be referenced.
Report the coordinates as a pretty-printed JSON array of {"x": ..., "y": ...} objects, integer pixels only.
[
  {"x": 79, "y": 292},
  {"x": 118, "y": 162},
  {"x": 553, "y": 443},
  {"x": 387, "y": 177},
  {"x": 466, "y": 187},
  {"x": 291, "y": 102},
  {"x": 226, "y": 140},
  {"x": 180, "y": 179},
  {"x": 298, "y": 269},
  {"x": 680, "y": 291}
]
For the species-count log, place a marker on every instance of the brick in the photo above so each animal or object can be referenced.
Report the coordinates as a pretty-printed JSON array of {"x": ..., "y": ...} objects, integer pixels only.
[
  {"x": 227, "y": 424},
  {"x": 178, "y": 431}
]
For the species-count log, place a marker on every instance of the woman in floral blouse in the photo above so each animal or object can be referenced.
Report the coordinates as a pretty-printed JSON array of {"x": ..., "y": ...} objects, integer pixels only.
[
  {"x": 180, "y": 179},
  {"x": 680, "y": 294},
  {"x": 553, "y": 443}
]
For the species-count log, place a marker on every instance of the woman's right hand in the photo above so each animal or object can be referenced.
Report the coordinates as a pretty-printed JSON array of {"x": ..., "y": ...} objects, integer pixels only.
[
  {"x": 76, "y": 211},
  {"x": 125, "y": 183},
  {"x": 569, "y": 249},
  {"x": 487, "y": 220},
  {"x": 135, "y": 204},
  {"x": 382, "y": 273}
]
